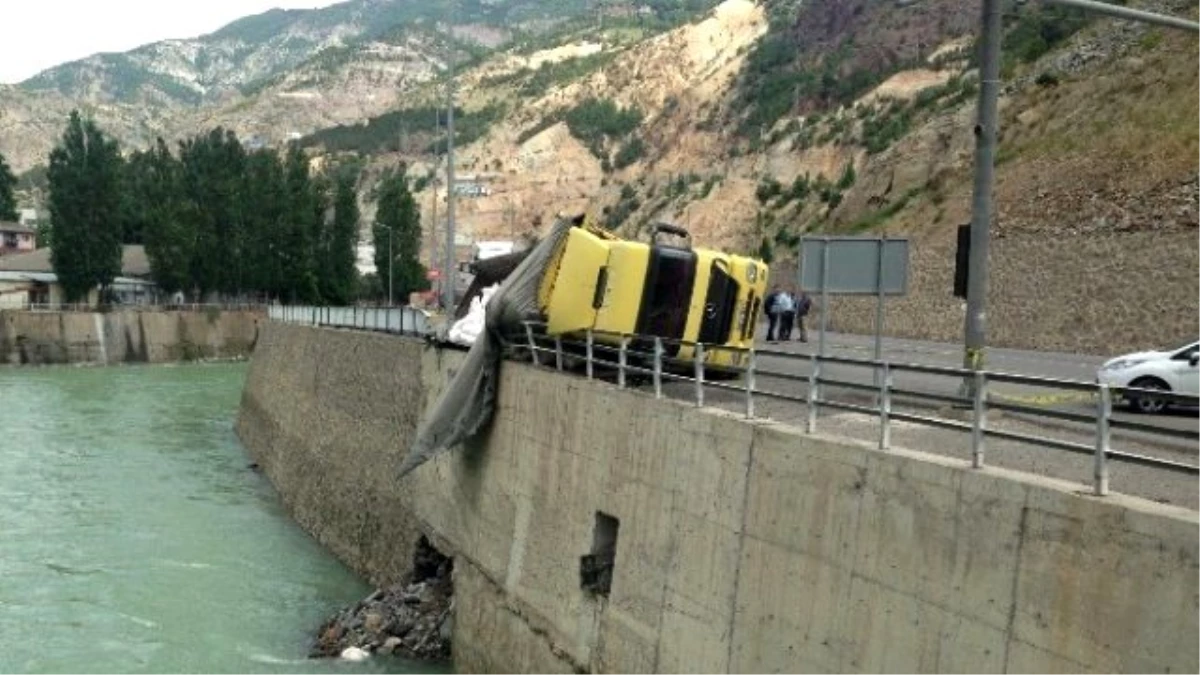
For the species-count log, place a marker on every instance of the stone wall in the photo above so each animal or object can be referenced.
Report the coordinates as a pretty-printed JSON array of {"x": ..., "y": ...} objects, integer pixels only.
[
  {"x": 1099, "y": 293},
  {"x": 740, "y": 547},
  {"x": 125, "y": 336}
]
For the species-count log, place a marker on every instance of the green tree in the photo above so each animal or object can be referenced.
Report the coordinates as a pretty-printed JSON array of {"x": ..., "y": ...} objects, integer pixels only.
[
  {"x": 300, "y": 228},
  {"x": 398, "y": 229},
  {"x": 8, "y": 202},
  {"x": 212, "y": 186},
  {"x": 155, "y": 209},
  {"x": 266, "y": 217},
  {"x": 85, "y": 179},
  {"x": 338, "y": 274}
]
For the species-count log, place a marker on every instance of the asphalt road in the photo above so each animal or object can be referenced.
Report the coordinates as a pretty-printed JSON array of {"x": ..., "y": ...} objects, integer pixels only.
[
  {"x": 790, "y": 379},
  {"x": 1053, "y": 365}
]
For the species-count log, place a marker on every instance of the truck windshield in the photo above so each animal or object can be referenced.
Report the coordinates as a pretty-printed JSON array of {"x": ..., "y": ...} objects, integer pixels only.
[{"x": 667, "y": 293}]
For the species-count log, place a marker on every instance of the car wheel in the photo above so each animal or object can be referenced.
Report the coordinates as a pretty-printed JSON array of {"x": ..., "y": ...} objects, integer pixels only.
[{"x": 1148, "y": 405}]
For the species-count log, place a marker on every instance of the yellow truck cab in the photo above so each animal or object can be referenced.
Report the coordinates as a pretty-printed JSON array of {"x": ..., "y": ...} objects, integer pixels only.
[{"x": 596, "y": 280}]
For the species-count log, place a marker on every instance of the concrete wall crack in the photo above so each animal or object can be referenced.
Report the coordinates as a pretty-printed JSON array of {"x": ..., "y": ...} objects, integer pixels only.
[{"x": 1012, "y": 610}]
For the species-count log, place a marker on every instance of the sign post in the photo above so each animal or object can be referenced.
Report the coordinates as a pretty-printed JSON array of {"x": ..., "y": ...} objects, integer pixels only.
[{"x": 849, "y": 265}]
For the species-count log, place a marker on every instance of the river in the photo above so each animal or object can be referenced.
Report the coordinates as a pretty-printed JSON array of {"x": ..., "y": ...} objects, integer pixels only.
[{"x": 134, "y": 537}]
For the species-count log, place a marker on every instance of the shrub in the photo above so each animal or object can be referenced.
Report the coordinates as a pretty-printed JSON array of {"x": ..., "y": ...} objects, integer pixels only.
[
  {"x": 596, "y": 121},
  {"x": 767, "y": 189},
  {"x": 630, "y": 153},
  {"x": 848, "y": 177},
  {"x": 1046, "y": 80}
]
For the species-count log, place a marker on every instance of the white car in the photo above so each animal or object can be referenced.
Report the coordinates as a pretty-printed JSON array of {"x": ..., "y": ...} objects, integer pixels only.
[{"x": 1174, "y": 370}]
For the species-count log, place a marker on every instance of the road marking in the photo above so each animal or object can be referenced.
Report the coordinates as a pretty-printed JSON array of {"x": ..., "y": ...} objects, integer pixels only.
[{"x": 1045, "y": 399}]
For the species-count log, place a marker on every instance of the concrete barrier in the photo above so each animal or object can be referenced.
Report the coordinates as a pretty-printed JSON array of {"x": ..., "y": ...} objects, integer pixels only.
[
  {"x": 125, "y": 336},
  {"x": 740, "y": 546}
]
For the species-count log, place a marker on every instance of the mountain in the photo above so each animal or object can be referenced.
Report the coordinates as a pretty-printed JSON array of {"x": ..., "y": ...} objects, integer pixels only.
[
  {"x": 219, "y": 65},
  {"x": 754, "y": 124},
  {"x": 759, "y": 123},
  {"x": 269, "y": 75}
]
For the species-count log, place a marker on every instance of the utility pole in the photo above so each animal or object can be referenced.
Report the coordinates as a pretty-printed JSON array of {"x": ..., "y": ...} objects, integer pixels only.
[
  {"x": 450, "y": 274},
  {"x": 433, "y": 224},
  {"x": 390, "y": 259},
  {"x": 975, "y": 325}
]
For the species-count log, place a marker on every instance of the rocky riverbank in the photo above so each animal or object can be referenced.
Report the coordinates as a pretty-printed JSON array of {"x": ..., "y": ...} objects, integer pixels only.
[{"x": 412, "y": 619}]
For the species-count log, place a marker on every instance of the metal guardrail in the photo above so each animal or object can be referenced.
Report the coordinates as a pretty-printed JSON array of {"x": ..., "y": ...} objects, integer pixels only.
[
  {"x": 398, "y": 320},
  {"x": 630, "y": 360},
  {"x": 156, "y": 307},
  {"x": 655, "y": 363}
]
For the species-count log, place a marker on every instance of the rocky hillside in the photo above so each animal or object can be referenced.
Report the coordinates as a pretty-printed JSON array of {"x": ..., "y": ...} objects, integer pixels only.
[
  {"x": 272, "y": 75},
  {"x": 875, "y": 137},
  {"x": 755, "y": 123},
  {"x": 759, "y": 123},
  {"x": 215, "y": 66}
]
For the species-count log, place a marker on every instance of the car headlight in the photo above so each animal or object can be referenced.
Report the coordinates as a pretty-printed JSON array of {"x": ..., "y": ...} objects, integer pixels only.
[{"x": 1122, "y": 364}]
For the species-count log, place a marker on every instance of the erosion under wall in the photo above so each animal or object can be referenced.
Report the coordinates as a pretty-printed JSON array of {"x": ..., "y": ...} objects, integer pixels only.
[
  {"x": 125, "y": 336},
  {"x": 1094, "y": 293},
  {"x": 741, "y": 547}
]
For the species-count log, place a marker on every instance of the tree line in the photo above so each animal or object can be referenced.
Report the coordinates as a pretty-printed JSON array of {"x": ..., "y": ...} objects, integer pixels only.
[{"x": 217, "y": 219}]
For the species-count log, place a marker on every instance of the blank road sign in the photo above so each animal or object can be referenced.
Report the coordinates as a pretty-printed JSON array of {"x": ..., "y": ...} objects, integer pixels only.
[{"x": 854, "y": 267}]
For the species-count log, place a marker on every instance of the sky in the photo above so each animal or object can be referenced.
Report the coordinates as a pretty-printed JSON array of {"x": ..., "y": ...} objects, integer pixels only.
[{"x": 39, "y": 34}]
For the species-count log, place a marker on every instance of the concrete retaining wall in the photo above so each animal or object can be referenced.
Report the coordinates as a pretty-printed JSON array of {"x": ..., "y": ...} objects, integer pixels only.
[
  {"x": 125, "y": 336},
  {"x": 1111, "y": 307},
  {"x": 742, "y": 547}
]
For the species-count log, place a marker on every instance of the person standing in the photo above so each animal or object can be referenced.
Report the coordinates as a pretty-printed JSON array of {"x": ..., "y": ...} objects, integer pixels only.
[
  {"x": 786, "y": 304},
  {"x": 803, "y": 306},
  {"x": 772, "y": 314}
]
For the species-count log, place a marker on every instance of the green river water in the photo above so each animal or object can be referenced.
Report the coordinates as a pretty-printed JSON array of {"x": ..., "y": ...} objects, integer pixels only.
[{"x": 134, "y": 537}]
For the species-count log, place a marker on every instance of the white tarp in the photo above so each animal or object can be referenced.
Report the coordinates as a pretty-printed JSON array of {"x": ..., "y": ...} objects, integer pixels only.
[{"x": 467, "y": 329}]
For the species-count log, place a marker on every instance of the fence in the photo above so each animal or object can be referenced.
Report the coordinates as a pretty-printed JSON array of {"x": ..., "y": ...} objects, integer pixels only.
[
  {"x": 650, "y": 356},
  {"x": 655, "y": 363},
  {"x": 167, "y": 307},
  {"x": 399, "y": 320}
]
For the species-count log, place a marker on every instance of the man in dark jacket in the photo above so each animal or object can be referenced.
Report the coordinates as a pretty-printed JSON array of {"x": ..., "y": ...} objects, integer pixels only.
[
  {"x": 803, "y": 305},
  {"x": 772, "y": 315}
]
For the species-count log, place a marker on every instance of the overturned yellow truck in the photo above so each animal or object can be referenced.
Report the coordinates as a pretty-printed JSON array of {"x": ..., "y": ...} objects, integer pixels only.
[
  {"x": 616, "y": 287},
  {"x": 580, "y": 278}
]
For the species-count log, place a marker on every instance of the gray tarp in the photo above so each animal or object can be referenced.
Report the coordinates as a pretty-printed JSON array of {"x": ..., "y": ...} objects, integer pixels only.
[{"x": 467, "y": 403}]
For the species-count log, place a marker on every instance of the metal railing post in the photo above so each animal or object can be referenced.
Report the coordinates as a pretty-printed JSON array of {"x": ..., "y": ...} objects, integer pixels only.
[
  {"x": 814, "y": 380},
  {"x": 885, "y": 408},
  {"x": 978, "y": 419},
  {"x": 750, "y": 365},
  {"x": 658, "y": 363},
  {"x": 590, "y": 347},
  {"x": 698, "y": 357},
  {"x": 558, "y": 354},
  {"x": 1103, "y": 412},
  {"x": 533, "y": 354},
  {"x": 622, "y": 356}
]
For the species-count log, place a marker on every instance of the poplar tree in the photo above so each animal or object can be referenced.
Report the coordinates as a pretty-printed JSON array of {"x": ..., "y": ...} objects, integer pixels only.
[
  {"x": 339, "y": 277},
  {"x": 398, "y": 230},
  {"x": 85, "y": 203},
  {"x": 212, "y": 185},
  {"x": 266, "y": 213},
  {"x": 299, "y": 238},
  {"x": 154, "y": 181}
]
